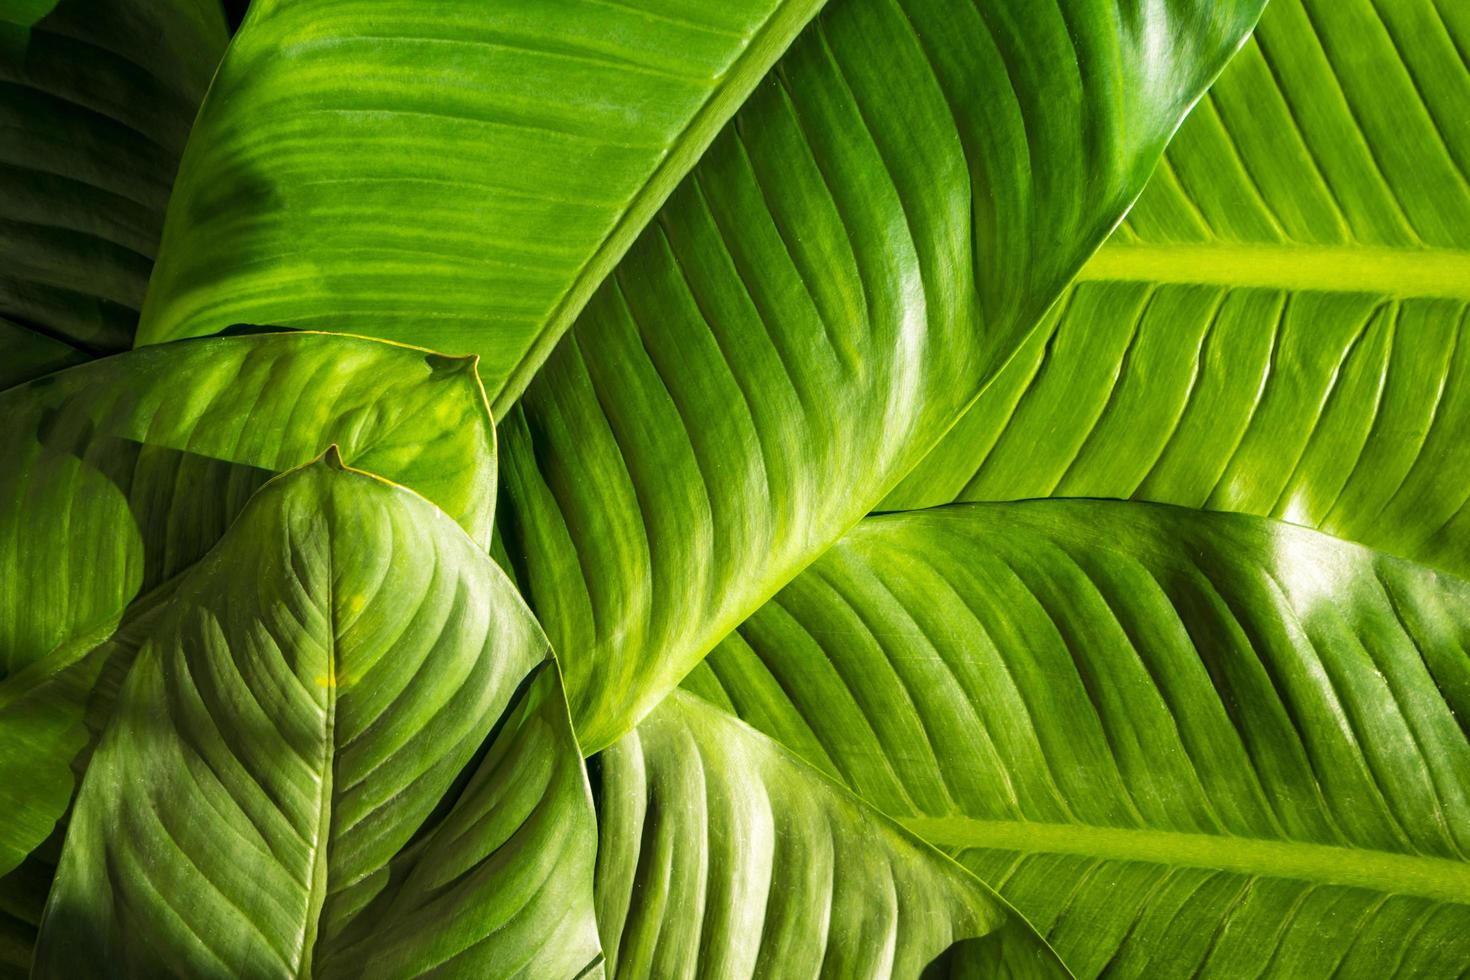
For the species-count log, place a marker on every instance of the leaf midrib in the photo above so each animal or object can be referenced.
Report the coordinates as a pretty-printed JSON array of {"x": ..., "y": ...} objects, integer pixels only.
[
  {"x": 1398, "y": 272},
  {"x": 1422, "y": 876},
  {"x": 755, "y": 61}
]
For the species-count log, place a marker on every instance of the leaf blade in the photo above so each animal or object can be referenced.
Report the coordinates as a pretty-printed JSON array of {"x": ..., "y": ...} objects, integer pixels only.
[
  {"x": 539, "y": 140},
  {"x": 1132, "y": 718},
  {"x": 316, "y": 720},
  {"x": 119, "y": 474},
  {"x": 723, "y": 854},
  {"x": 819, "y": 300}
]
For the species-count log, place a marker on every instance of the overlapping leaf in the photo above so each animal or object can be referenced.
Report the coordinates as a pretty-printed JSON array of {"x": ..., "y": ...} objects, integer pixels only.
[
  {"x": 1181, "y": 743},
  {"x": 115, "y": 476},
  {"x": 96, "y": 100},
  {"x": 723, "y": 855},
  {"x": 459, "y": 175},
  {"x": 279, "y": 793},
  {"x": 878, "y": 228},
  {"x": 1276, "y": 327}
]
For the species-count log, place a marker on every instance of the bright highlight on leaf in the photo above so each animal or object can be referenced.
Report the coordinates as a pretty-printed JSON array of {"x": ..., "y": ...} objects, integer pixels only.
[{"x": 894, "y": 489}]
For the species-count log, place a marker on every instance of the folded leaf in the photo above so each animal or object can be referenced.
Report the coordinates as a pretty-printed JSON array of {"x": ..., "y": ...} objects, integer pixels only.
[
  {"x": 117, "y": 475},
  {"x": 1276, "y": 327},
  {"x": 460, "y": 175},
  {"x": 96, "y": 100},
  {"x": 876, "y": 231},
  {"x": 1181, "y": 743},
  {"x": 723, "y": 855},
  {"x": 285, "y": 760}
]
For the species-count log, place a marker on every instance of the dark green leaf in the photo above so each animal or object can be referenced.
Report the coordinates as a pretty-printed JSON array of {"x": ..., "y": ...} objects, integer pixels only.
[{"x": 96, "y": 101}]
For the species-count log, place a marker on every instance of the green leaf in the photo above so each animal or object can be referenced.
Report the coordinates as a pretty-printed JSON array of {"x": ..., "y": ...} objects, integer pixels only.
[
  {"x": 96, "y": 101},
  {"x": 117, "y": 475},
  {"x": 1276, "y": 328},
  {"x": 460, "y": 176},
  {"x": 29, "y": 354},
  {"x": 723, "y": 855},
  {"x": 284, "y": 766},
  {"x": 876, "y": 231},
  {"x": 1181, "y": 743}
]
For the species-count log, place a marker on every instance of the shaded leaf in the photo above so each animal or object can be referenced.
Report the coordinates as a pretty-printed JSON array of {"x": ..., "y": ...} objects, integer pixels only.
[
  {"x": 96, "y": 101},
  {"x": 29, "y": 354}
]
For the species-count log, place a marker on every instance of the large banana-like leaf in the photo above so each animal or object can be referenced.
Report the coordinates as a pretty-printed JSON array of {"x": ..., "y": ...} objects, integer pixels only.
[
  {"x": 723, "y": 855},
  {"x": 879, "y": 227},
  {"x": 279, "y": 791},
  {"x": 1182, "y": 743},
  {"x": 96, "y": 100},
  {"x": 460, "y": 175},
  {"x": 1276, "y": 328},
  {"x": 115, "y": 476}
]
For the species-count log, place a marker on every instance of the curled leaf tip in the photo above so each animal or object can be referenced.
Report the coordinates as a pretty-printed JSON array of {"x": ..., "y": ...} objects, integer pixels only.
[{"x": 332, "y": 457}]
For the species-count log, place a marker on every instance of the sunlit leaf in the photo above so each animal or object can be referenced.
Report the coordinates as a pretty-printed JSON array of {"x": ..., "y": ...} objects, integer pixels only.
[
  {"x": 117, "y": 475},
  {"x": 874, "y": 233},
  {"x": 279, "y": 793},
  {"x": 723, "y": 855},
  {"x": 1181, "y": 743}
]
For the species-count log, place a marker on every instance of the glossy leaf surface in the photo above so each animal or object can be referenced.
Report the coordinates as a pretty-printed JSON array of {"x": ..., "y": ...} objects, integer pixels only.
[
  {"x": 877, "y": 229},
  {"x": 458, "y": 175},
  {"x": 1276, "y": 327},
  {"x": 1181, "y": 743},
  {"x": 272, "y": 793},
  {"x": 117, "y": 475},
  {"x": 723, "y": 855},
  {"x": 96, "y": 100}
]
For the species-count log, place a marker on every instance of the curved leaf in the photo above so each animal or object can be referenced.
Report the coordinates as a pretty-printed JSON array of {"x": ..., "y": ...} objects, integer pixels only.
[
  {"x": 1276, "y": 327},
  {"x": 879, "y": 227},
  {"x": 722, "y": 855},
  {"x": 460, "y": 176},
  {"x": 96, "y": 101},
  {"x": 117, "y": 475},
  {"x": 1181, "y": 743},
  {"x": 300, "y": 717}
]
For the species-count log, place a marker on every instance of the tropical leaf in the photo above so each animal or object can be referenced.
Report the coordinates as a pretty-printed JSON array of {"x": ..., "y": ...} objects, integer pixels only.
[
  {"x": 723, "y": 855},
  {"x": 1182, "y": 743},
  {"x": 460, "y": 175},
  {"x": 286, "y": 746},
  {"x": 29, "y": 354},
  {"x": 879, "y": 227},
  {"x": 96, "y": 100},
  {"x": 1276, "y": 327},
  {"x": 116, "y": 476}
]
